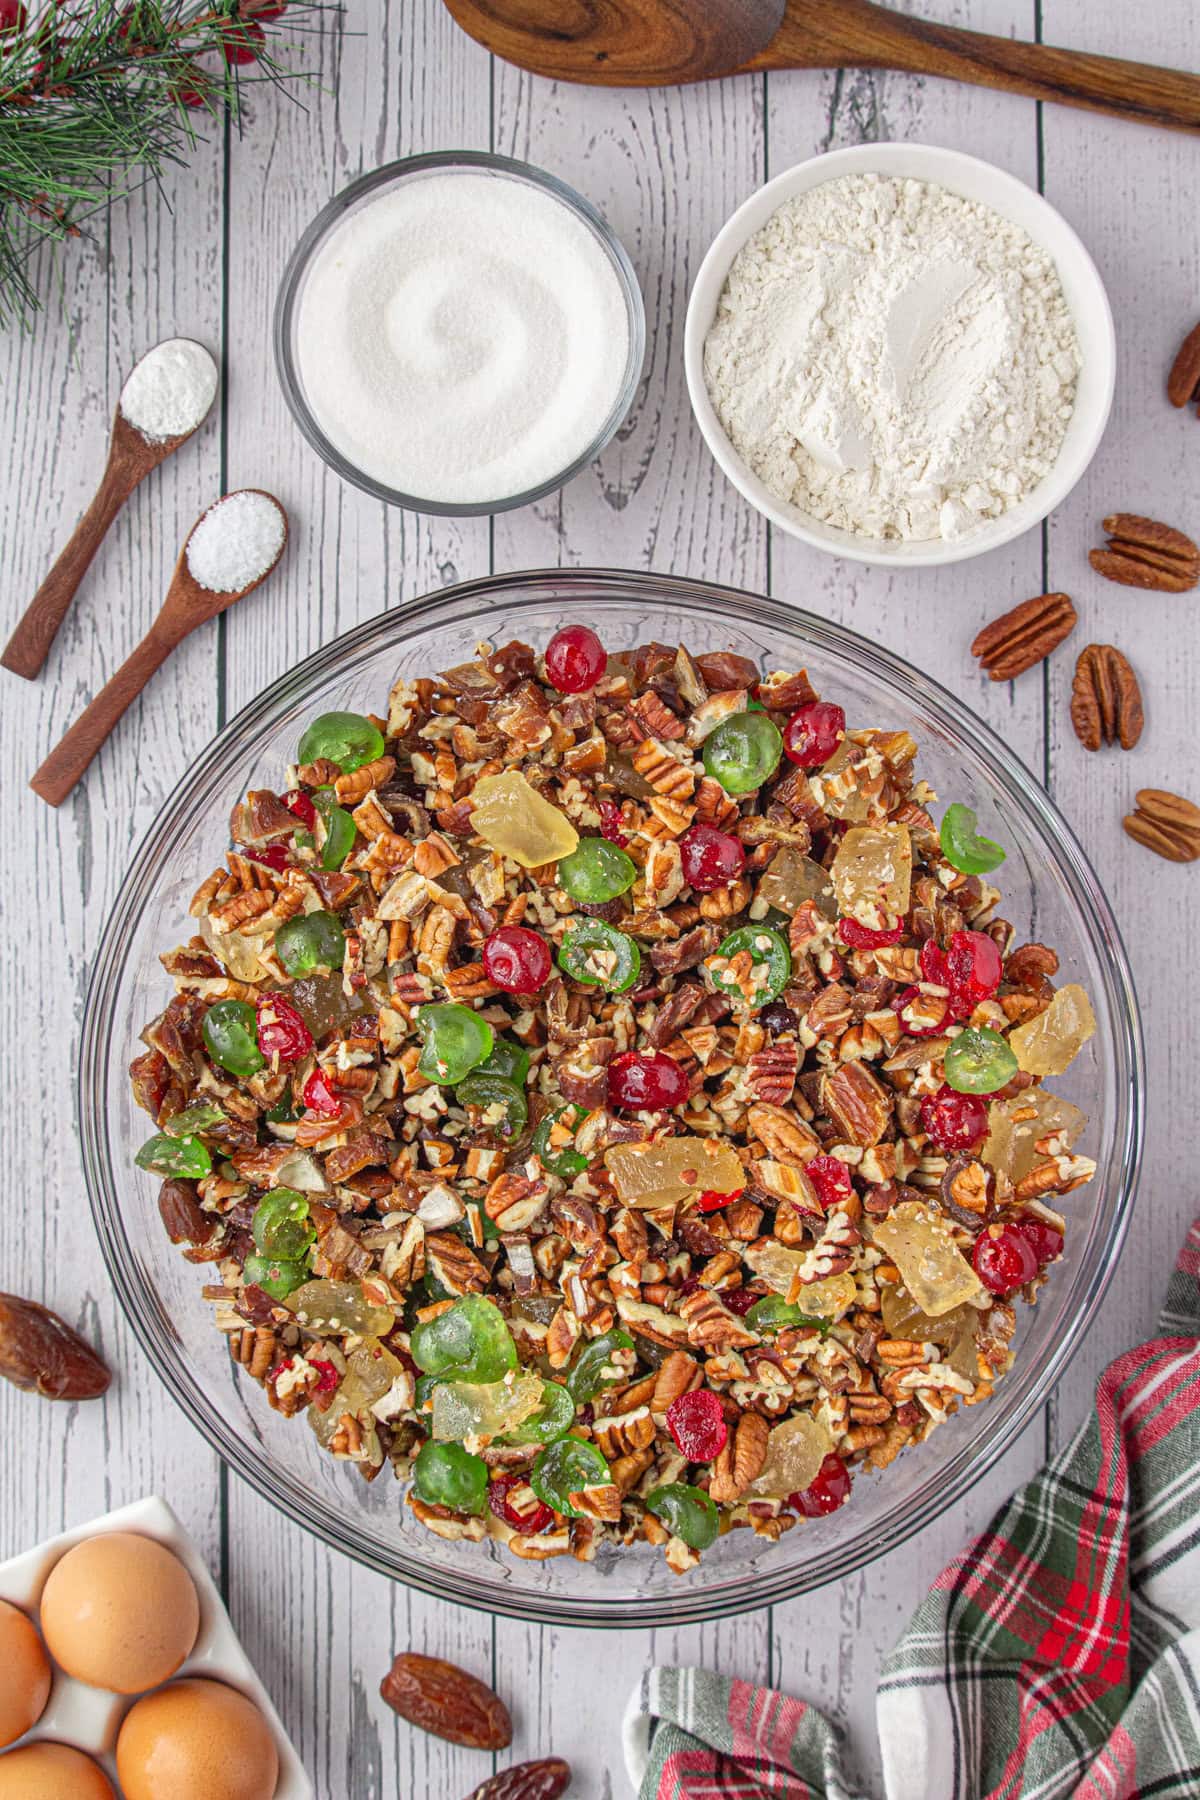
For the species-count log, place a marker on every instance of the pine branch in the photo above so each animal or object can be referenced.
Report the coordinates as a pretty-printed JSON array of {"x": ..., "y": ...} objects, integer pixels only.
[{"x": 98, "y": 97}]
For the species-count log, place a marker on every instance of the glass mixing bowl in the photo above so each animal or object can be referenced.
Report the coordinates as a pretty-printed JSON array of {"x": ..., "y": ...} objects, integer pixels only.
[{"x": 1050, "y": 893}]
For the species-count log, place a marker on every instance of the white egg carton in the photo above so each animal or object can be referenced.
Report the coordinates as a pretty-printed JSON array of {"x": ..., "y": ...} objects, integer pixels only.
[{"x": 90, "y": 1718}]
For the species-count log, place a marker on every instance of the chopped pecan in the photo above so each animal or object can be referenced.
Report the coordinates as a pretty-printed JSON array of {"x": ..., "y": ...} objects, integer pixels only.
[
  {"x": 458, "y": 1270},
  {"x": 1106, "y": 701},
  {"x": 857, "y": 1102},
  {"x": 679, "y": 1374},
  {"x": 710, "y": 1326},
  {"x": 741, "y": 1461},
  {"x": 686, "y": 952}
]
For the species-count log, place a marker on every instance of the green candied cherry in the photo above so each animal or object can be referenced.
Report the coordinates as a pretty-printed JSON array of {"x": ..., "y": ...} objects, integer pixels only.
[
  {"x": 979, "y": 1061},
  {"x": 565, "y": 1468},
  {"x": 687, "y": 1512},
  {"x": 963, "y": 847},
  {"x": 493, "y": 1090},
  {"x": 562, "y": 1161},
  {"x": 185, "y": 1156},
  {"x": 553, "y": 1419},
  {"x": 231, "y": 1037},
  {"x": 594, "y": 1368},
  {"x": 596, "y": 871},
  {"x": 469, "y": 1342},
  {"x": 743, "y": 752},
  {"x": 344, "y": 738},
  {"x": 774, "y": 1313},
  {"x": 448, "y": 1475},
  {"x": 770, "y": 956},
  {"x": 280, "y": 1225},
  {"x": 599, "y": 956},
  {"x": 310, "y": 941},
  {"x": 454, "y": 1041},
  {"x": 200, "y": 1116},
  {"x": 508, "y": 1059},
  {"x": 278, "y": 1276},
  {"x": 340, "y": 829}
]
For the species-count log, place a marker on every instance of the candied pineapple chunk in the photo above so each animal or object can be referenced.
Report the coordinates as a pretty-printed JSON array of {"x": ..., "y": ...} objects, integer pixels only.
[
  {"x": 779, "y": 1267},
  {"x": 1017, "y": 1125},
  {"x": 791, "y": 878},
  {"x": 795, "y": 1451},
  {"x": 872, "y": 874},
  {"x": 673, "y": 1170},
  {"x": 514, "y": 819},
  {"x": 932, "y": 1267},
  {"x": 339, "y": 1306},
  {"x": 370, "y": 1371},
  {"x": 484, "y": 1408},
  {"x": 1051, "y": 1042},
  {"x": 955, "y": 1332}
]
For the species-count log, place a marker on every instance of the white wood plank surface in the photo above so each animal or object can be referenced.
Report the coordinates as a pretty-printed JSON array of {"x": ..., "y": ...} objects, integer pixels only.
[{"x": 666, "y": 168}]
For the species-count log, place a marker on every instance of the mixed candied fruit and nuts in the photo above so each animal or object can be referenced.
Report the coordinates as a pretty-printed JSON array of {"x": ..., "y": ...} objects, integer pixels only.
[{"x": 605, "y": 1095}]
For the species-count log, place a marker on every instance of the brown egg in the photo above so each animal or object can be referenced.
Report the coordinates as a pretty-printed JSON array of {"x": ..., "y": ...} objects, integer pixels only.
[
  {"x": 196, "y": 1740},
  {"x": 52, "y": 1772},
  {"x": 120, "y": 1611},
  {"x": 24, "y": 1674}
]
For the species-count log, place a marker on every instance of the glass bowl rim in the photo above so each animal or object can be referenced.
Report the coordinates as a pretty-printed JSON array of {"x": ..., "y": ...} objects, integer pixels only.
[
  {"x": 315, "y": 234},
  {"x": 515, "y": 591}
]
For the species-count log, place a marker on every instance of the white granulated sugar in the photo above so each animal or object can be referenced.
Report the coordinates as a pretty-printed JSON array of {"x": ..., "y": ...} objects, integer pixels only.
[
  {"x": 170, "y": 391},
  {"x": 893, "y": 359},
  {"x": 235, "y": 542},
  {"x": 463, "y": 338}
]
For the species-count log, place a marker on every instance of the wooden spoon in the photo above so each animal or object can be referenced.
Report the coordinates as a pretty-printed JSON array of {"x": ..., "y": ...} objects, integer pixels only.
[
  {"x": 654, "y": 43},
  {"x": 130, "y": 459},
  {"x": 187, "y": 605}
]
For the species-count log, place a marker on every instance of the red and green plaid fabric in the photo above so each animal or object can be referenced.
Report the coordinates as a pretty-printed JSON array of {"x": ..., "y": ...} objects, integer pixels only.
[{"x": 1058, "y": 1656}]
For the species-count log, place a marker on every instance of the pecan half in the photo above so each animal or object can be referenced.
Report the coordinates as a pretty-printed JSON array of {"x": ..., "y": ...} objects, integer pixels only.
[
  {"x": 438, "y": 1697},
  {"x": 545, "y": 1779},
  {"x": 859, "y": 1105},
  {"x": 1024, "y": 636},
  {"x": 1106, "y": 701},
  {"x": 1143, "y": 553},
  {"x": 40, "y": 1353},
  {"x": 1183, "y": 383},
  {"x": 1166, "y": 824}
]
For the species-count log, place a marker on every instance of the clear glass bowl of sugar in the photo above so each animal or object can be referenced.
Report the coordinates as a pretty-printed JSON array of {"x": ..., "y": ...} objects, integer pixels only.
[
  {"x": 459, "y": 333},
  {"x": 1050, "y": 892}
]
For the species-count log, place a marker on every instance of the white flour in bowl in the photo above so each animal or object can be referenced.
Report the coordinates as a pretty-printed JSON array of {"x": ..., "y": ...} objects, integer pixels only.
[{"x": 893, "y": 359}]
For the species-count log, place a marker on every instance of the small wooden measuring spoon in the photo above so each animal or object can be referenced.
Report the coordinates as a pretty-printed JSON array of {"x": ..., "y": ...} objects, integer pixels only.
[
  {"x": 187, "y": 605},
  {"x": 130, "y": 459}
]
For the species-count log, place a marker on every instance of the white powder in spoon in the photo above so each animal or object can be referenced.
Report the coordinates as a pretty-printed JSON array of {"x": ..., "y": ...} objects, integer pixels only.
[
  {"x": 462, "y": 338},
  {"x": 236, "y": 541},
  {"x": 170, "y": 391}
]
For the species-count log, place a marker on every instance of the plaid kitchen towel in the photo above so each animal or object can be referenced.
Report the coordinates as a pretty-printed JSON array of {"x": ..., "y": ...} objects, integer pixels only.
[{"x": 1058, "y": 1656}]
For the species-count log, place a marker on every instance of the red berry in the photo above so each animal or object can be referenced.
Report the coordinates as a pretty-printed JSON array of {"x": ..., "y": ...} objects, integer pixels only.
[
  {"x": 516, "y": 959},
  {"x": 831, "y": 1178},
  {"x": 697, "y": 1423},
  {"x": 1043, "y": 1238},
  {"x": 301, "y": 807},
  {"x": 611, "y": 822},
  {"x": 711, "y": 858},
  {"x": 528, "y": 1522},
  {"x": 905, "y": 1000},
  {"x": 829, "y": 1489},
  {"x": 933, "y": 965},
  {"x": 281, "y": 1368},
  {"x": 861, "y": 937},
  {"x": 319, "y": 1095},
  {"x": 646, "y": 1081},
  {"x": 813, "y": 734},
  {"x": 242, "y": 43},
  {"x": 954, "y": 1121},
  {"x": 273, "y": 856},
  {"x": 711, "y": 1201},
  {"x": 575, "y": 659},
  {"x": 1004, "y": 1259},
  {"x": 327, "y": 1377},
  {"x": 281, "y": 1030},
  {"x": 739, "y": 1300},
  {"x": 973, "y": 970}
]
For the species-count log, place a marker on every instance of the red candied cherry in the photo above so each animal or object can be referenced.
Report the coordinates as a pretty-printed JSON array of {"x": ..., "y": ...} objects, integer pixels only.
[
  {"x": 516, "y": 959},
  {"x": 831, "y": 1178},
  {"x": 1004, "y": 1260},
  {"x": 1045, "y": 1240},
  {"x": 814, "y": 733},
  {"x": 954, "y": 1121},
  {"x": 829, "y": 1489},
  {"x": 528, "y": 1521},
  {"x": 646, "y": 1081},
  {"x": 281, "y": 1031},
  {"x": 327, "y": 1375},
  {"x": 973, "y": 970},
  {"x": 711, "y": 859},
  {"x": 320, "y": 1096},
  {"x": 612, "y": 825},
  {"x": 272, "y": 856},
  {"x": 933, "y": 965},
  {"x": 575, "y": 659},
  {"x": 711, "y": 1201},
  {"x": 862, "y": 937},
  {"x": 301, "y": 807},
  {"x": 697, "y": 1423}
]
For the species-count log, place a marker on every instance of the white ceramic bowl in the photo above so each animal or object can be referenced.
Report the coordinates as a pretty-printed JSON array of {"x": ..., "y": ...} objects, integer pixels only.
[{"x": 976, "y": 180}]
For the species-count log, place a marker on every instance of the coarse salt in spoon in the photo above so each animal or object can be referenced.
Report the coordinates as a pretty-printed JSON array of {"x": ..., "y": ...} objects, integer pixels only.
[
  {"x": 230, "y": 550},
  {"x": 166, "y": 398}
]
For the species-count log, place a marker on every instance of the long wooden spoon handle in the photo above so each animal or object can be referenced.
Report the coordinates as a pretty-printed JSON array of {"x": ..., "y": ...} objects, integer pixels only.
[
  {"x": 30, "y": 643},
  {"x": 68, "y": 760},
  {"x": 859, "y": 34}
]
